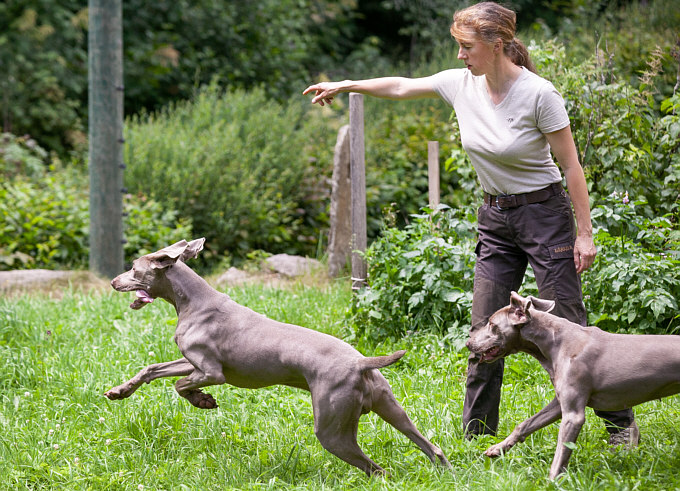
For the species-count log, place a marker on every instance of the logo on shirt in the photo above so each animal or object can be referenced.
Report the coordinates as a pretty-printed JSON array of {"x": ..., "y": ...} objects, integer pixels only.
[{"x": 510, "y": 120}]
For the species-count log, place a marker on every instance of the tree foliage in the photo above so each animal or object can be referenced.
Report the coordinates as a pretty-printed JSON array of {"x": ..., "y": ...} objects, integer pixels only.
[{"x": 173, "y": 47}]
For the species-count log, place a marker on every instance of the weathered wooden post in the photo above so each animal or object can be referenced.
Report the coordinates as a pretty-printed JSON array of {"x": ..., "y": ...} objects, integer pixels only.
[
  {"x": 340, "y": 236},
  {"x": 358, "y": 183},
  {"x": 105, "y": 63},
  {"x": 433, "y": 173}
]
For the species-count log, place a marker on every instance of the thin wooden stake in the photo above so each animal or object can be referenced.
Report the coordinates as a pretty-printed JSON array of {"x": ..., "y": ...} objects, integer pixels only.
[
  {"x": 358, "y": 183},
  {"x": 433, "y": 173}
]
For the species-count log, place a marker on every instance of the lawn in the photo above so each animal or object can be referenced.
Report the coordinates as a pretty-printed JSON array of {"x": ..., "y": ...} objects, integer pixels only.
[{"x": 58, "y": 431}]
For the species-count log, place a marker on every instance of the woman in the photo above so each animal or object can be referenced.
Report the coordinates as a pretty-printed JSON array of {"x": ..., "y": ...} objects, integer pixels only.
[{"x": 510, "y": 119}]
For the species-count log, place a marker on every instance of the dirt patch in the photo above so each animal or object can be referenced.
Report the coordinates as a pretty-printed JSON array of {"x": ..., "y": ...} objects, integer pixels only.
[
  {"x": 279, "y": 272},
  {"x": 49, "y": 283}
]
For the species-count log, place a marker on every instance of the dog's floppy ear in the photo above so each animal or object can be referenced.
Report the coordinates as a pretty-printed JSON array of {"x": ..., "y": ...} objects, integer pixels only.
[
  {"x": 192, "y": 249},
  {"x": 167, "y": 256},
  {"x": 181, "y": 251},
  {"x": 519, "y": 309},
  {"x": 542, "y": 304}
]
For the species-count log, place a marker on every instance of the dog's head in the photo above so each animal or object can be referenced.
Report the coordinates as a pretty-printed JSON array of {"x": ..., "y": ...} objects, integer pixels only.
[
  {"x": 147, "y": 276},
  {"x": 501, "y": 335}
]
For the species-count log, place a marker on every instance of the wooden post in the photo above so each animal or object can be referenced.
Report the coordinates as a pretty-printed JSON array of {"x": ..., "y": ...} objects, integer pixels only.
[
  {"x": 105, "y": 107},
  {"x": 433, "y": 173},
  {"x": 358, "y": 183},
  {"x": 340, "y": 236}
]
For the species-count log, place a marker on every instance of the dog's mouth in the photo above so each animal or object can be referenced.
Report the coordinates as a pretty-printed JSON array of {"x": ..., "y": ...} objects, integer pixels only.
[
  {"x": 489, "y": 355},
  {"x": 142, "y": 299}
]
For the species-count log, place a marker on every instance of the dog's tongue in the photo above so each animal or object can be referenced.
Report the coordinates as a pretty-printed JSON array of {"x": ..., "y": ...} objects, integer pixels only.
[
  {"x": 142, "y": 299},
  {"x": 489, "y": 354}
]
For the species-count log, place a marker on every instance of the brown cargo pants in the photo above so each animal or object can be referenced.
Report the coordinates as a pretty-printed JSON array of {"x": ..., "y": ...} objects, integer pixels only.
[{"x": 540, "y": 234}]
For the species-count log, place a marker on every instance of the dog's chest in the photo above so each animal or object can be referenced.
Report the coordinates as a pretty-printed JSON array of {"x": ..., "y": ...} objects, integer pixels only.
[{"x": 197, "y": 330}]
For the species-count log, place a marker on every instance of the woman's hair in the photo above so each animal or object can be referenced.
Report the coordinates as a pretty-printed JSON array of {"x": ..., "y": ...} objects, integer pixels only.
[{"x": 491, "y": 21}]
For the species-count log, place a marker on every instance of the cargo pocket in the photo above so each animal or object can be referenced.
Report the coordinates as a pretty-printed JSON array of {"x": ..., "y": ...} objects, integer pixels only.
[{"x": 562, "y": 250}]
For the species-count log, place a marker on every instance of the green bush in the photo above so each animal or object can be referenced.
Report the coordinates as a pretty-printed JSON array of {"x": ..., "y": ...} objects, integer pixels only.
[
  {"x": 625, "y": 139},
  {"x": 419, "y": 278},
  {"x": 44, "y": 223},
  {"x": 397, "y": 138},
  {"x": 20, "y": 156},
  {"x": 44, "y": 214},
  {"x": 239, "y": 165},
  {"x": 634, "y": 284}
]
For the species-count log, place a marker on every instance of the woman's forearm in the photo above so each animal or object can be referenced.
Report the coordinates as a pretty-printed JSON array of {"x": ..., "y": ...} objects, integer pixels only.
[{"x": 398, "y": 88}]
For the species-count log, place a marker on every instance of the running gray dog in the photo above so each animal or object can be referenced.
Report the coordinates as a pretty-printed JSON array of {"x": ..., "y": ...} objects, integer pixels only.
[
  {"x": 224, "y": 342},
  {"x": 587, "y": 366}
]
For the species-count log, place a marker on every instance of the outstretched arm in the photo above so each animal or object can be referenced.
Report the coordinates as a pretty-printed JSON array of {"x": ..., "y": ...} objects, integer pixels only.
[{"x": 398, "y": 88}]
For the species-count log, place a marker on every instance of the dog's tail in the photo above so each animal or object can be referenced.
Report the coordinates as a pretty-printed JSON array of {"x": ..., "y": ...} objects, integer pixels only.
[{"x": 372, "y": 362}]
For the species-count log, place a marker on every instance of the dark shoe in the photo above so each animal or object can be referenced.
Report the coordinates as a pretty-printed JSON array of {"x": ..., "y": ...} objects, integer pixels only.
[{"x": 627, "y": 438}]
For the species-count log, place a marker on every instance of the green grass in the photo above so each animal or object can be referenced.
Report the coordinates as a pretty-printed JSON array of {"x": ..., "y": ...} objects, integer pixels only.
[{"x": 58, "y": 431}]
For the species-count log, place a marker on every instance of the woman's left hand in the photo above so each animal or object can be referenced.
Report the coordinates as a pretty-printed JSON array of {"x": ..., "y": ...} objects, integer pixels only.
[{"x": 584, "y": 252}]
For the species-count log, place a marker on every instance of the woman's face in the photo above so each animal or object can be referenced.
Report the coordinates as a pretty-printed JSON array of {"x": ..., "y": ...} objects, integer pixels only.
[{"x": 477, "y": 55}]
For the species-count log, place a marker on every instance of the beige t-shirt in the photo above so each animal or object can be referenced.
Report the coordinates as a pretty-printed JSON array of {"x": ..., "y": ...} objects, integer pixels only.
[{"x": 506, "y": 142}]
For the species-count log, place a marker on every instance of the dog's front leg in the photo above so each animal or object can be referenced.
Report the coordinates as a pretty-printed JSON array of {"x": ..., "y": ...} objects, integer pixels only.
[
  {"x": 152, "y": 372},
  {"x": 573, "y": 417},
  {"x": 189, "y": 387},
  {"x": 549, "y": 414}
]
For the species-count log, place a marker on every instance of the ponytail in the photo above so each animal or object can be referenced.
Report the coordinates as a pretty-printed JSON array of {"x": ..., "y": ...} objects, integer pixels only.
[{"x": 519, "y": 54}]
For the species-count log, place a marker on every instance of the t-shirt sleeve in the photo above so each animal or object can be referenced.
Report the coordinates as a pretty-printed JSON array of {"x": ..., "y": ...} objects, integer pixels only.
[
  {"x": 446, "y": 83},
  {"x": 551, "y": 113}
]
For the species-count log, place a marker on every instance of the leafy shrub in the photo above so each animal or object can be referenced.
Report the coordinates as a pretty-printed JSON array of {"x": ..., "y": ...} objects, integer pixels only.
[
  {"x": 625, "y": 139},
  {"x": 44, "y": 215},
  {"x": 149, "y": 227},
  {"x": 20, "y": 156},
  {"x": 396, "y": 159},
  {"x": 419, "y": 278},
  {"x": 240, "y": 166},
  {"x": 44, "y": 223},
  {"x": 623, "y": 35},
  {"x": 634, "y": 284}
]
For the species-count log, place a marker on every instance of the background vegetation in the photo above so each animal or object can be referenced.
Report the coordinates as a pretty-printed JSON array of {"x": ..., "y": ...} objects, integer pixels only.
[{"x": 220, "y": 142}]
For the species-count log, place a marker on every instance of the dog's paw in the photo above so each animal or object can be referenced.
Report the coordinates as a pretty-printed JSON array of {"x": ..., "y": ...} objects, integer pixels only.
[
  {"x": 201, "y": 400},
  {"x": 117, "y": 393},
  {"x": 495, "y": 450}
]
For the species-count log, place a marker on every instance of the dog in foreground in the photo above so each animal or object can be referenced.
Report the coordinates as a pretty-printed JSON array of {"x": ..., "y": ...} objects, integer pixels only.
[
  {"x": 587, "y": 366},
  {"x": 224, "y": 342}
]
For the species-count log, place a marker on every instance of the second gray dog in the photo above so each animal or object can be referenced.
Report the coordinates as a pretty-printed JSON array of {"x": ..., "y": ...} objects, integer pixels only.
[
  {"x": 587, "y": 366},
  {"x": 224, "y": 342}
]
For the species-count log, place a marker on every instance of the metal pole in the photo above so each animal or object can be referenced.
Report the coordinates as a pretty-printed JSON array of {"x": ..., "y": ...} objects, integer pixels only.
[
  {"x": 358, "y": 184},
  {"x": 105, "y": 79}
]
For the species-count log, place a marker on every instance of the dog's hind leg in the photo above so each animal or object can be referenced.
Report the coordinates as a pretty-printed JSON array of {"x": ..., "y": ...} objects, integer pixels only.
[
  {"x": 336, "y": 421},
  {"x": 388, "y": 408},
  {"x": 146, "y": 375}
]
